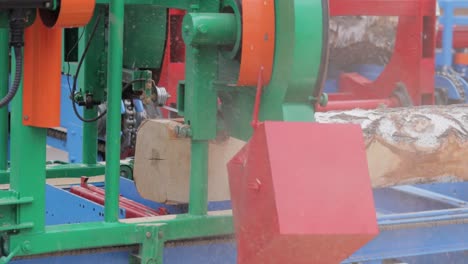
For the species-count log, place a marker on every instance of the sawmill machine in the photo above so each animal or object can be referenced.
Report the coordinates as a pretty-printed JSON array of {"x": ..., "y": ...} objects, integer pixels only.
[
  {"x": 401, "y": 82},
  {"x": 256, "y": 65}
]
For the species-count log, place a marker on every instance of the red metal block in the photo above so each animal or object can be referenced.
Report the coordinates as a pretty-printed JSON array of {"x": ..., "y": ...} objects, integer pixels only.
[{"x": 301, "y": 193}]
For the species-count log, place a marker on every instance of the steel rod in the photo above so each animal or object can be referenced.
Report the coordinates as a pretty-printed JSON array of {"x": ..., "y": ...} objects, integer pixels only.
[
  {"x": 90, "y": 137},
  {"x": 114, "y": 97},
  {"x": 199, "y": 178},
  {"x": 4, "y": 73},
  {"x": 362, "y": 104}
]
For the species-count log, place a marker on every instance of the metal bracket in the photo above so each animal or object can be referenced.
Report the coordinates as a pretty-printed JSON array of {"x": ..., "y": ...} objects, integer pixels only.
[{"x": 151, "y": 250}]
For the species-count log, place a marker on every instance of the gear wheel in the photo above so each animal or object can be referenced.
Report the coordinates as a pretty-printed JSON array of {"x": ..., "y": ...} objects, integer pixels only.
[{"x": 453, "y": 76}]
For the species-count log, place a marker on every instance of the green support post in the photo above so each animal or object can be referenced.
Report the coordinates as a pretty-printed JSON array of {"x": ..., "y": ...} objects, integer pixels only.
[
  {"x": 199, "y": 178},
  {"x": 89, "y": 128},
  {"x": 4, "y": 72},
  {"x": 201, "y": 32},
  {"x": 94, "y": 82},
  {"x": 28, "y": 163},
  {"x": 114, "y": 97}
]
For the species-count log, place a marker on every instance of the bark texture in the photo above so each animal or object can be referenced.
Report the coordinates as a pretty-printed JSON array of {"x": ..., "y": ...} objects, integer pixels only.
[
  {"x": 361, "y": 40},
  {"x": 412, "y": 145}
]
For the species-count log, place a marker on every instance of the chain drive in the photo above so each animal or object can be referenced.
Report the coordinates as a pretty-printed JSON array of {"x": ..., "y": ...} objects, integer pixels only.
[{"x": 453, "y": 76}]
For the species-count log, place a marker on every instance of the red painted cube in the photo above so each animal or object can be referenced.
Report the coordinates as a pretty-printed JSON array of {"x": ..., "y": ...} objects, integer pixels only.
[{"x": 301, "y": 193}]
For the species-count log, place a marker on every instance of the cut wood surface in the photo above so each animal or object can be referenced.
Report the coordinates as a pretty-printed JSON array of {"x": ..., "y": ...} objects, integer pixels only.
[
  {"x": 412, "y": 145},
  {"x": 162, "y": 164}
]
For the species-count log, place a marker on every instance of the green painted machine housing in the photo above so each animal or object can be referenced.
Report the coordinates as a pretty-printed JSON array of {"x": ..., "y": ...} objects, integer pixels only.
[
  {"x": 144, "y": 36},
  {"x": 144, "y": 43}
]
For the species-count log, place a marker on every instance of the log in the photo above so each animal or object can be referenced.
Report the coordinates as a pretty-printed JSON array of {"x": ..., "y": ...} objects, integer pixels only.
[
  {"x": 357, "y": 40},
  {"x": 414, "y": 145}
]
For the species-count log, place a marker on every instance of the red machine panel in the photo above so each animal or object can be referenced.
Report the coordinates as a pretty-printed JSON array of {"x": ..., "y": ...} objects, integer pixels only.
[
  {"x": 412, "y": 61},
  {"x": 288, "y": 199}
]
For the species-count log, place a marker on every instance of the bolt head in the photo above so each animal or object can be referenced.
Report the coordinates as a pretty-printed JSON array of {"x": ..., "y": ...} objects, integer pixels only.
[
  {"x": 26, "y": 246},
  {"x": 148, "y": 234},
  {"x": 202, "y": 29}
]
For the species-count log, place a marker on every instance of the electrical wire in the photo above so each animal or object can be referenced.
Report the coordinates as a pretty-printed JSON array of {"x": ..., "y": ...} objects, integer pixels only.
[
  {"x": 16, "y": 82},
  {"x": 67, "y": 58},
  {"x": 17, "y": 25},
  {"x": 75, "y": 77}
]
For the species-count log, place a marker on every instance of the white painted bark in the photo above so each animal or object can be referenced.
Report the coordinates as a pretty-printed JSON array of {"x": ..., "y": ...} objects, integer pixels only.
[{"x": 412, "y": 145}]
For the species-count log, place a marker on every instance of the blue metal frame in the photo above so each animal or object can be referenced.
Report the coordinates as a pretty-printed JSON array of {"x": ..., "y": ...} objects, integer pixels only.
[
  {"x": 444, "y": 57},
  {"x": 449, "y": 20},
  {"x": 72, "y": 125}
]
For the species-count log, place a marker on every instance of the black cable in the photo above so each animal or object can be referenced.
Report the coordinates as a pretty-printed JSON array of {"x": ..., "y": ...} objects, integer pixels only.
[
  {"x": 67, "y": 58},
  {"x": 75, "y": 77},
  {"x": 17, "y": 25},
  {"x": 16, "y": 82}
]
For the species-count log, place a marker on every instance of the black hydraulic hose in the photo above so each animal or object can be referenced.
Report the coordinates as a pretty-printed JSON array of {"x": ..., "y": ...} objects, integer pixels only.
[
  {"x": 17, "y": 25},
  {"x": 75, "y": 78},
  {"x": 16, "y": 81}
]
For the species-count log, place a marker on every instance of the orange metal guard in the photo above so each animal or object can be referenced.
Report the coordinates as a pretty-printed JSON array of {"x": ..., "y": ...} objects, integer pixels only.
[
  {"x": 42, "y": 65},
  {"x": 258, "y": 41}
]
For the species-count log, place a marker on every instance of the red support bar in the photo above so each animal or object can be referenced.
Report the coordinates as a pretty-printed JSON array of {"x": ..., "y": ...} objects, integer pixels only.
[
  {"x": 460, "y": 37},
  {"x": 381, "y": 7},
  {"x": 95, "y": 194},
  {"x": 126, "y": 203},
  {"x": 361, "y": 104}
]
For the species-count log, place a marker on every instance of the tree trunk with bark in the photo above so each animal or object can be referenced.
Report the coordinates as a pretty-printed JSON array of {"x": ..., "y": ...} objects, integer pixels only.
[
  {"x": 412, "y": 145},
  {"x": 361, "y": 40}
]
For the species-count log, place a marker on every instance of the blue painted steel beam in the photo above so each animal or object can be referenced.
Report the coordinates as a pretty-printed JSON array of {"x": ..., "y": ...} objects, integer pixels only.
[
  {"x": 392, "y": 201},
  {"x": 431, "y": 196},
  {"x": 406, "y": 242}
]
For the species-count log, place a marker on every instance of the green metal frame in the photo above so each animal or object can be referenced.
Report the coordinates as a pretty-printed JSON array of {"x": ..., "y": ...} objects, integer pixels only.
[{"x": 289, "y": 96}]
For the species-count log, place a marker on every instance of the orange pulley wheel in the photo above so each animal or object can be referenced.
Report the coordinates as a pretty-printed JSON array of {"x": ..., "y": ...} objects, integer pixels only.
[
  {"x": 70, "y": 13},
  {"x": 258, "y": 41}
]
